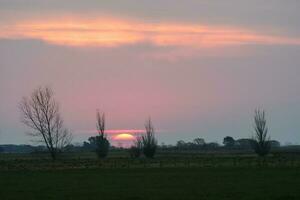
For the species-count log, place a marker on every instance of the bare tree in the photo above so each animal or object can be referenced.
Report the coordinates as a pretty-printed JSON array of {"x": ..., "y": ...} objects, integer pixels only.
[
  {"x": 101, "y": 124},
  {"x": 261, "y": 141},
  {"x": 102, "y": 143},
  {"x": 149, "y": 141},
  {"x": 40, "y": 112}
]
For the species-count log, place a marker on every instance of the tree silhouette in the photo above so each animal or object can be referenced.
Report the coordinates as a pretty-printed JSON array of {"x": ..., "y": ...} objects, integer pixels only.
[
  {"x": 149, "y": 141},
  {"x": 101, "y": 141},
  {"x": 136, "y": 149},
  {"x": 228, "y": 141},
  {"x": 40, "y": 112},
  {"x": 261, "y": 141},
  {"x": 199, "y": 141}
]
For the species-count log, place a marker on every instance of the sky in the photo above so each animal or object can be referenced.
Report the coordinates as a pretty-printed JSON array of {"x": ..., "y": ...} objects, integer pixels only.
[{"x": 198, "y": 68}]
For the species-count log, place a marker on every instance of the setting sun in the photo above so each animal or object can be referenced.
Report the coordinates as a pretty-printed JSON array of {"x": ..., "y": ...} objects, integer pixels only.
[{"x": 124, "y": 136}]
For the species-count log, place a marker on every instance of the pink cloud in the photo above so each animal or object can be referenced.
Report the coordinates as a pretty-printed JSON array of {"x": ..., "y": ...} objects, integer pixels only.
[
  {"x": 113, "y": 131},
  {"x": 111, "y": 32}
]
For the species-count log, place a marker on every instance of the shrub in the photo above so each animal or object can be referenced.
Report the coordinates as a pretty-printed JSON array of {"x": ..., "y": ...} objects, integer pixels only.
[
  {"x": 135, "y": 151},
  {"x": 102, "y": 146}
]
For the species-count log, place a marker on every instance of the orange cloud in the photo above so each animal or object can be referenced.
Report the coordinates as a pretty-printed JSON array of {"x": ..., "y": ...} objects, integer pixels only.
[{"x": 75, "y": 31}]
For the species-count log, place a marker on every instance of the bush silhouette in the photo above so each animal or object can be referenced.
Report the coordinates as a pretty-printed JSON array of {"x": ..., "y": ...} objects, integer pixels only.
[
  {"x": 135, "y": 151},
  {"x": 102, "y": 146}
]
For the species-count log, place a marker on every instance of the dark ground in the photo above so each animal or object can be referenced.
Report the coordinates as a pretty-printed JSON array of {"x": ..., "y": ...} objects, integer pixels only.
[{"x": 152, "y": 183}]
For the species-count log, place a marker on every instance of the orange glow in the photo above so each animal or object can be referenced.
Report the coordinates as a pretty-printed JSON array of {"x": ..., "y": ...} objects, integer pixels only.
[
  {"x": 75, "y": 31},
  {"x": 124, "y": 136}
]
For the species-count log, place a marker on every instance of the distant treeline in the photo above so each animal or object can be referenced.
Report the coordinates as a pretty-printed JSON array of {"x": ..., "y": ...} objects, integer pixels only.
[
  {"x": 228, "y": 143},
  {"x": 197, "y": 144},
  {"x": 13, "y": 148}
]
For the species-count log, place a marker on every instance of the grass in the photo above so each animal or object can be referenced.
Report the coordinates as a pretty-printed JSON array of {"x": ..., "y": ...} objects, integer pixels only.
[
  {"x": 194, "y": 176},
  {"x": 152, "y": 183}
]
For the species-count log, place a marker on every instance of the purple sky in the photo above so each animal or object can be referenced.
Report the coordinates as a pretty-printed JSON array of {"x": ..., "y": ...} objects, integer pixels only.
[{"x": 198, "y": 68}]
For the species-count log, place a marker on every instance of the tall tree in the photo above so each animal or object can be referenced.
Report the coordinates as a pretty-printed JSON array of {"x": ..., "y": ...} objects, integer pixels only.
[
  {"x": 148, "y": 140},
  {"x": 100, "y": 124},
  {"x": 101, "y": 141},
  {"x": 261, "y": 140},
  {"x": 40, "y": 112}
]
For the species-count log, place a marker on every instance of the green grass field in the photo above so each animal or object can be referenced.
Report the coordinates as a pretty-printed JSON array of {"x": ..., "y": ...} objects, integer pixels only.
[
  {"x": 152, "y": 183},
  {"x": 193, "y": 176}
]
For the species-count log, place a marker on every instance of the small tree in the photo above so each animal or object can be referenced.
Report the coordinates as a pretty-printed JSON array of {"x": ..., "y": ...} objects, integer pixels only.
[
  {"x": 261, "y": 141},
  {"x": 180, "y": 144},
  {"x": 228, "y": 141},
  {"x": 149, "y": 141},
  {"x": 40, "y": 112},
  {"x": 199, "y": 141},
  {"x": 101, "y": 141},
  {"x": 135, "y": 150}
]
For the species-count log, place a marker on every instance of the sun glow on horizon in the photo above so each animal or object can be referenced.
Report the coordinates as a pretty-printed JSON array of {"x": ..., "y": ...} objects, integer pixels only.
[
  {"x": 124, "y": 137},
  {"x": 112, "y": 32}
]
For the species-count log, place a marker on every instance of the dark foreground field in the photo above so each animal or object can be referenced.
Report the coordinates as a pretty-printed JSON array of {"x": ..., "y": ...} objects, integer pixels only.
[{"x": 152, "y": 183}]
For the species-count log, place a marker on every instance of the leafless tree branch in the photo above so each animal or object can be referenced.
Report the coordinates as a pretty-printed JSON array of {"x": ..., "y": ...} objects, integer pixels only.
[{"x": 40, "y": 112}]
